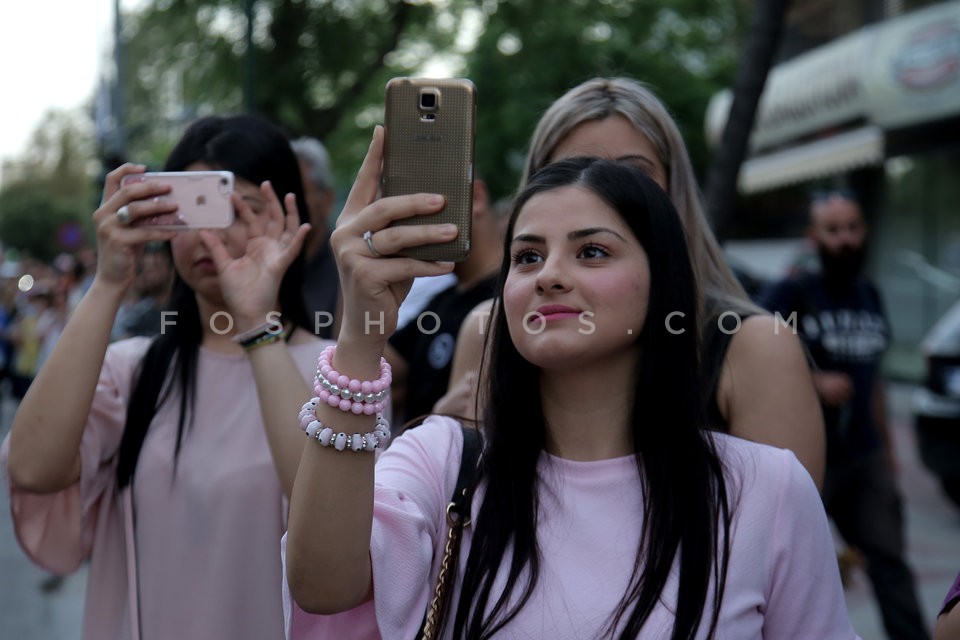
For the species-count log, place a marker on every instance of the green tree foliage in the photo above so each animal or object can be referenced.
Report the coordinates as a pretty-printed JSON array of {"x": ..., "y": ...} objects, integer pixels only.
[
  {"x": 529, "y": 54},
  {"x": 49, "y": 189},
  {"x": 34, "y": 221},
  {"x": 319, "y": 66},
  {"x": 58, "y": 157}
]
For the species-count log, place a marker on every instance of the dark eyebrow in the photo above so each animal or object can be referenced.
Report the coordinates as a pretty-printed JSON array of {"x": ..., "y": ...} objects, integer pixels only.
[
  {"x": 583, "y": 233},
  {"x": 526, "y": 237},
  {"x": 573, "y": 235}
]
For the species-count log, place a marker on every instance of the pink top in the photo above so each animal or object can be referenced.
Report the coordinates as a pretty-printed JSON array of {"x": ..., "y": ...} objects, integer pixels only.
[
  {"x": 205, "y": 541},
  {"x": 783, "y": 580}
]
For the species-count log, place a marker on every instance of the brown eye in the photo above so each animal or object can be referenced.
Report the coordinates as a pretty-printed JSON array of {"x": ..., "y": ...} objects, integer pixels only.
[
  {"x": 592, "y": 252},
  {"x": 525, "y": 256}
]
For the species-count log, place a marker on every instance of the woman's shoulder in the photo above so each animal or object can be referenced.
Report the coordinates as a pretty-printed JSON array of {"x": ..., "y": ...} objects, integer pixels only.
[
  {"x": 127, "y": 353},
  {"x": 424, "y": 460},
  {"x": 435, "y": 443},
  {"x": 130, "y": 346},
  {"x": 762, "y": 474},
  {"x": 479, "y": 316},
  {"x": 763, "y": 342},
  {"x": 766, "y": 391},
  {"x": 736, "y": 450},
  {"x": 437, "y": 437}
]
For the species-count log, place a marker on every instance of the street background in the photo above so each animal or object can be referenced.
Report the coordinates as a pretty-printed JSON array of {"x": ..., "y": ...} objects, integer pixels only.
[{"x": 34, "y": 607}]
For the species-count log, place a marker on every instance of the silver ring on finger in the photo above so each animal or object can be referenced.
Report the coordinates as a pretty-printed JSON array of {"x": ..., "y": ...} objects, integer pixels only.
[
  {"x": 123, "y": 215},
  {"x": 368, "y": 238}
]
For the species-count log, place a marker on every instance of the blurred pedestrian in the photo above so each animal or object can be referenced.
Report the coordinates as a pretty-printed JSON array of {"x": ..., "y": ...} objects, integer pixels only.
[
  {"x": 604, "y": 506},
  {"x": 321, "y": 283},
  {"x": 167, "y": 462},
  {"x": 34, "y": 330},
  {"x": 756, "y": 380},
  {"x": 140, "y": 314},
  {"x": 840, "y": 317},
  {"x": 8, "y": 312},
  {"x": 70, "y": 279}
]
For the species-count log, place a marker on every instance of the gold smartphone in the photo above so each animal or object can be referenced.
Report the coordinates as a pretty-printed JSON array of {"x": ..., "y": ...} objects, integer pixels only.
[{"x": 430, "y": 130}]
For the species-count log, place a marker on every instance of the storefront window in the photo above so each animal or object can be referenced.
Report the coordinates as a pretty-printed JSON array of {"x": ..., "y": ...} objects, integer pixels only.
[{"x": 915, "y": 246}]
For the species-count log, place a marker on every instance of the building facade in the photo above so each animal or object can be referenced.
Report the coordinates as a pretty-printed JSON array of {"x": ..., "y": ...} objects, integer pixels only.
[{"x": 866, "y": 96}]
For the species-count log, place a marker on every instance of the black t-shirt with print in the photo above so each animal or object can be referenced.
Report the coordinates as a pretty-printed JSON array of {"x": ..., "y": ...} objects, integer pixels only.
[
  {"x": 847, "y": 331},
  {"x": 427, "y": 344}
]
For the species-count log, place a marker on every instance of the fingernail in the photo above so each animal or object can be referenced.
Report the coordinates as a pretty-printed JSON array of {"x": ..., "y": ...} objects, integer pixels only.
[
  {"x": 449, "y": 229},
  {"x": 434, "y": 199}
]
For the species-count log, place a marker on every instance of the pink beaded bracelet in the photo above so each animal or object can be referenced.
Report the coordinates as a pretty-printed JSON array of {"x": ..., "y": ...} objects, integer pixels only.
[
  {"x": 326, "y": 436},
  {"x": 346, "y": 394}
]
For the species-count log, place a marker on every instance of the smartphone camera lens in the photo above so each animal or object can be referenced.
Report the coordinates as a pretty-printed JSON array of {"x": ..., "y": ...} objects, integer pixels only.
[{"x": 428, "y": 101}]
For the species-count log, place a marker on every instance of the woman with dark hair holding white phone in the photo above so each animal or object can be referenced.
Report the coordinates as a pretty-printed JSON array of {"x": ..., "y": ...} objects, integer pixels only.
[{"x": 164, "y": 461}]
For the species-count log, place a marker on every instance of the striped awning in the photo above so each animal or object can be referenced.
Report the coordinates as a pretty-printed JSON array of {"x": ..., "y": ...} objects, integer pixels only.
[{"x": 837, "y": 154}]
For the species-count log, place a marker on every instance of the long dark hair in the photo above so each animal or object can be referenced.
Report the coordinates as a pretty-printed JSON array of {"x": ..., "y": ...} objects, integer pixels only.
[
  {"x": 254, "y": 150},
  {"x": 686, "y": 509}
]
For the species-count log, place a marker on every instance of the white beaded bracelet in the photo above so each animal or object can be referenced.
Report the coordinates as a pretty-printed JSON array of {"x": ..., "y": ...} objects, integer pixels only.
[{"x": 326, "y": 436}]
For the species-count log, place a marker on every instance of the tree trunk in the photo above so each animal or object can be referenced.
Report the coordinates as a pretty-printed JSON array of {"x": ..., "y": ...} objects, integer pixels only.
[{"x": 762, "y": 43}]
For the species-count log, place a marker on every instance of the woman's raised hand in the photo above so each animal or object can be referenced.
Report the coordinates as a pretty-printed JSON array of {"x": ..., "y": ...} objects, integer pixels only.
[
  {"x": 373, "y": 278},
  {"x": 119, "y": 244},
  {"x": 250, "y": 282}
]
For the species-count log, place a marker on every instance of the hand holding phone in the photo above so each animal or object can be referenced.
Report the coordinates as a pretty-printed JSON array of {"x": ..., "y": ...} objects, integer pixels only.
[
  {"x": 202, "y": 198},
  {"x": 430, "y": 130}
]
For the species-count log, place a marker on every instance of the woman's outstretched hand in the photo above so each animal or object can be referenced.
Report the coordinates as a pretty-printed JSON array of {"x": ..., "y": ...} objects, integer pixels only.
[
  {"x": 373, "y": 278},
  {"x": 250, "y": 282}
]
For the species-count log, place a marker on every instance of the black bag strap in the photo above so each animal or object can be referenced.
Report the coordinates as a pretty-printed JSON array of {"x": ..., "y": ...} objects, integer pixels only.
[
  {"x": 458, "y": 517},
  {"x": 467, "y": 478}
]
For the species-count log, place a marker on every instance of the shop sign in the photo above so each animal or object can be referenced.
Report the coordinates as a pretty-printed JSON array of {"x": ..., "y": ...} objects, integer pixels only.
[
  {"x": 893, "y": 74},
  {"x": 917, "y": 74},
  {"x": 818, "y": 89},
  {"x": 930, "y": 59}
]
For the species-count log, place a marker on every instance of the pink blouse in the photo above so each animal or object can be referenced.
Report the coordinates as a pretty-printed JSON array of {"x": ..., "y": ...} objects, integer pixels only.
[
  {"x": 204, "y": 542},
  {"x": 782, "y": 582}
]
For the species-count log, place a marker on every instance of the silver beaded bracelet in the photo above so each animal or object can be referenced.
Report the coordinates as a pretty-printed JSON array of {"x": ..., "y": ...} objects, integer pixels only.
[{"x": 326, "y": 436}]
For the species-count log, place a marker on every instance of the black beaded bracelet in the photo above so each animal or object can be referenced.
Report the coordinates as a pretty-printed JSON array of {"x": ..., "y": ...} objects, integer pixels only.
[{"x": 258, "y": 341}]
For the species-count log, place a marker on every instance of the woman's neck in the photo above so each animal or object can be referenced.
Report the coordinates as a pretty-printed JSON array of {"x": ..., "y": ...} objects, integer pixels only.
[
  {"x": 217, "y": 328},
  {"x": 587, "y": 410}
]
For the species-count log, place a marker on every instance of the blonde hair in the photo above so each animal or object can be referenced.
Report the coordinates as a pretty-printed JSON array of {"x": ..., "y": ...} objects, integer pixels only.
[{"x": 599, "y": 98}]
